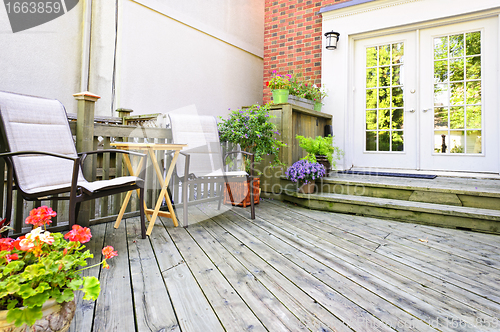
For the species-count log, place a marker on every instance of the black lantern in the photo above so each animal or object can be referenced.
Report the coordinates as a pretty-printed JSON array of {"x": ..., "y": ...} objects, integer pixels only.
[{"x": 332, "y": 39}]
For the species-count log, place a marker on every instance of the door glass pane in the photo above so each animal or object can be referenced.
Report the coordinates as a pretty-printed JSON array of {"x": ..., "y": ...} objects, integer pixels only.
[
  {"x": 457, "y": 69},
  {"x": 457, "y": 118},
  {"x": 473, "y": 140},
  {"x": 371, "y": 120},
  {"x": 397, "y": 119},
  {"x": 457, "y": 142},
  {"x": 457, "y": 45},
  {"x": 371, "y": 141},
  {"x": 457, "y": 93},
  {"x": 473, "y": 117},
  {"x": 441, "y": 141},
  {"x": 473, "y": 67},
  {"x": 440, "y": 118},
  {"x": 441, "y": 48},
  {"x": 385, "y": 97},
  {"x": 397, "y": 141},
  {"x": 473, "y": 43},
  {"x": 474, "y": 92},
  {"x": 384, "y": 141},
  {"x": 440, "y": 71}
]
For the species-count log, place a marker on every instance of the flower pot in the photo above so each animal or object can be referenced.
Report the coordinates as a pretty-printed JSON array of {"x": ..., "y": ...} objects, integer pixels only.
[
  {"x": 307, "y": 188},
  {"x": 317, "y": 106},
  {"x": 324, "y": 161},
  {"x": 237, "y": 193},
  {"x": 280, "y": 96},
  {"x": 306, "y": 103},
  {"x": 56, "y": 317}
]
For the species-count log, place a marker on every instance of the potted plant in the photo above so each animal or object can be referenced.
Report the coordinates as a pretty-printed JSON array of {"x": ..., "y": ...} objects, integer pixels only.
[
  {"x": 40, "y": 272},
  {"x": 279, "y": 85},
  {"x": 305, "y": 173},
  {"x": 321, "y": 149},
  {"x": 253, "y": 130},
  {"x": 317, "y": 94}
]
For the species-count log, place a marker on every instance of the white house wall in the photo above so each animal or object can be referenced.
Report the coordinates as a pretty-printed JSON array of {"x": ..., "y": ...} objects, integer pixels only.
[
  {"x": 205, "y": 56},
  {"x": 371, "y": 19},
  {"x": 44, "y": 60}
]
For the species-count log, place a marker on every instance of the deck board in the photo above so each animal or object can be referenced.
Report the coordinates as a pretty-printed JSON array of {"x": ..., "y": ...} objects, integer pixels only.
[{"x": 293, "y": 269}]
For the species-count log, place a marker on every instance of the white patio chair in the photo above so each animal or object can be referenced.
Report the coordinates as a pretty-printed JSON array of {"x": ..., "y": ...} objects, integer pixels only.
[
  {"x": 203, "y": 157},
  {"x": 42, "y": 160}
]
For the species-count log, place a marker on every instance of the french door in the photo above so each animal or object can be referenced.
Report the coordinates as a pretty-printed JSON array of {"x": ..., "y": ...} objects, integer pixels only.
[{"x": 427, "y": 99}]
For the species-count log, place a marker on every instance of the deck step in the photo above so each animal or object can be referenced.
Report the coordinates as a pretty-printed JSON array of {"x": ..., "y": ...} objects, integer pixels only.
[
  {"x": 466, "y": 192},
  {"x": 469, "y": 218}
]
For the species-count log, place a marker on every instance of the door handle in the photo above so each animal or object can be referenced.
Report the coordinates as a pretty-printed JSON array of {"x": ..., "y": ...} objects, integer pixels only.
[
  {"x": 411, "y": 110},
  {"x": 427, "y": 109}
]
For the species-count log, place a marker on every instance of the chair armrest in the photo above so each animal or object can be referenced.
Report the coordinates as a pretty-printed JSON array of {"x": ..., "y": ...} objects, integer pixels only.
[
  {"x": 57, "y": 155},
  {"x": 83, "y": 155},
  {"x": 251, "y": 155}
]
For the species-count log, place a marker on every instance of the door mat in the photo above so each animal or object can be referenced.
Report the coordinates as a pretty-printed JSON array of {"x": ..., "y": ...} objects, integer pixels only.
[{"x": 401, "y": 175}]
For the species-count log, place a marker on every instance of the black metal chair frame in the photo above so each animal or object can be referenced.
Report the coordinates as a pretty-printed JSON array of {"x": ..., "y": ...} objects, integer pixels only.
[{"x": 77, "y": 194}]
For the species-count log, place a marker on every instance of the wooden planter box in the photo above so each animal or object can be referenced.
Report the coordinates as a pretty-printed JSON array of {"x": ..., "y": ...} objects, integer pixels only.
[
  {"x": 302, "y": 102},
  {"x": 240, "y": 193}
]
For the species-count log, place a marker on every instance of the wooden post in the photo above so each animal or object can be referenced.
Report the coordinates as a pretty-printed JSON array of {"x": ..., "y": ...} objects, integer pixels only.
[
  {"x": 123, "y": 113},
  {"x": 85, "y": 142}
]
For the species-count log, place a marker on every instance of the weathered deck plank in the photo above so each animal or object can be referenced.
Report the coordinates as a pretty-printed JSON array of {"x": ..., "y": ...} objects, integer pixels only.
[
  {"x": 153, "y": 309},
  {"x": 421, "y": 302},
  {"x": 114, "y": 310},
  {"x": 293, "y": 269}
]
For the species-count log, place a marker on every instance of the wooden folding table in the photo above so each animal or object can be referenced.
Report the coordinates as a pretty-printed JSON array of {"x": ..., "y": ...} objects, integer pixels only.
[{"x": 151, "y": 148}]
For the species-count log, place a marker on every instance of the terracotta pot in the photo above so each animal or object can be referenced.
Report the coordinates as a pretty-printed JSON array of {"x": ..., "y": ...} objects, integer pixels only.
[
  {"x": 56, "y": 318},
  {"x": 307, "y": 188},
  {"x": 237, "y": 193}
]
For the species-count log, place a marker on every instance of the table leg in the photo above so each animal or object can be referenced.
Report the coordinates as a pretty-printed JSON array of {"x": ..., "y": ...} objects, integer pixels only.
[
  {"x": 129, "y": 193},
  {"x": 164, "y": 193}
]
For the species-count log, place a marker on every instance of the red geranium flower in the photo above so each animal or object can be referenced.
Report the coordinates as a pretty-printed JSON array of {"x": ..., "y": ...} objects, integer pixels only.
[
  {"x": 6, "y": 244},
  {"x": 12, "y": 257},
  {"x": 108, "y": 252},
  {"x": 40, "y": 216},
  {"x": 79, "y": 234}
]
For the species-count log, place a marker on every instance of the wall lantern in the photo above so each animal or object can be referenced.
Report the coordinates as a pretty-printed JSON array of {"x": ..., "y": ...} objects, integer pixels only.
[{"x": 332, "y": 39}]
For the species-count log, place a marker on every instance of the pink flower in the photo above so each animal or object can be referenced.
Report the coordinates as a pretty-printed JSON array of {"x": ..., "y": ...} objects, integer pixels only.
[
  {"x": 108, "y": 252},
  {"x": 79, "y": 234},
  {"x": 12, "y": 257},
  {"x": 40, "y": 216},
  {"x": 6, "y": 244}
]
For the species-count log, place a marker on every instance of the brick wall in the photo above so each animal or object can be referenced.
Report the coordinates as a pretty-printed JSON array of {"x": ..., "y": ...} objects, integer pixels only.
[{"x": 293, "y": 39}]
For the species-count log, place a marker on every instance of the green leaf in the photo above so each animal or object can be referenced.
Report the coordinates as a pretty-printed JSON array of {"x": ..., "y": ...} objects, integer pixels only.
[
  {"x": 11, "y": 288},
  {"x": 12, "y": 304},
  {"x": 36, "y": 300},
  {"x": 75, "y": 284},
  {"x": 13, "y": 267},
  {"x": 33, "y": 271},
  {"x": 91, "y": 287},
  {"x": 25, "y": 316},
  {"x": 26, "y": 291}
]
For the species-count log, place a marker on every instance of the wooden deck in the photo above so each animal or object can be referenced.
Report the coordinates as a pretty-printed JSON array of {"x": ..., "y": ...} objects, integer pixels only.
[{"x": 293, "y": 269}]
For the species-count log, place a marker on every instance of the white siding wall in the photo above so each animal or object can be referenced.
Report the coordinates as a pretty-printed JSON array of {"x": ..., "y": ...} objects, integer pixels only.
[
  {"x": 45, "y": 60},
  {"x": 205, "y": 55}
]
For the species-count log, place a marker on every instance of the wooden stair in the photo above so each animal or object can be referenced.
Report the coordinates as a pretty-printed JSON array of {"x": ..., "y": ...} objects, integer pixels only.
[{"x": 462, "y": 203}]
